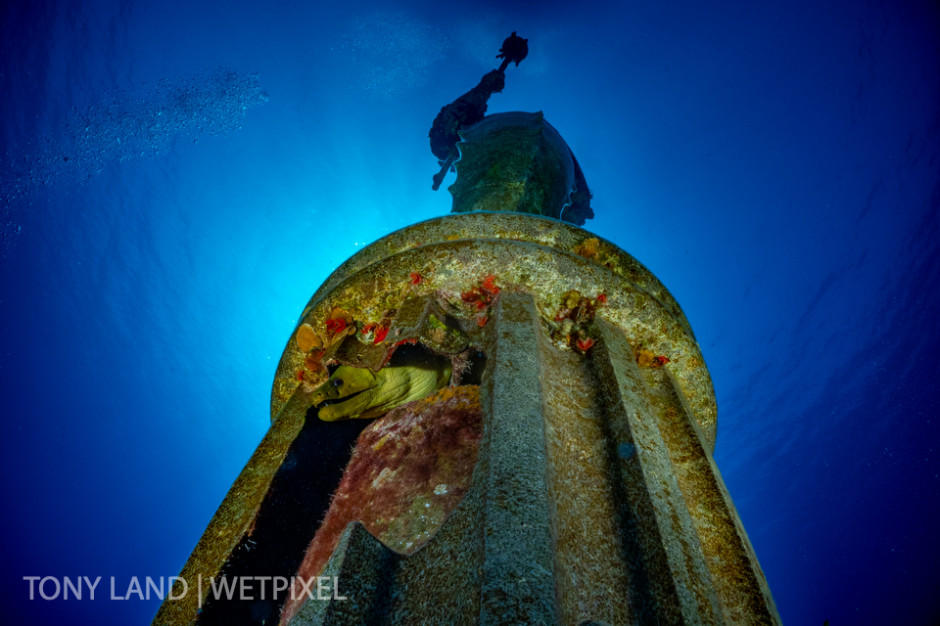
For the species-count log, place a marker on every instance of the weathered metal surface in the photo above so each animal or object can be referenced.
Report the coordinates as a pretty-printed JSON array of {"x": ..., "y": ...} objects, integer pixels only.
[
  {"x": 518, "y": 162},
  {"x": 513, "y": 162}
]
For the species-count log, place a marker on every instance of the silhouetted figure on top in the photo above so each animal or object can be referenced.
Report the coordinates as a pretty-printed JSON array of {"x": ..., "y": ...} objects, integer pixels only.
[
  {"x": 514, "y": 48},
  {"x": 470, "y": 108},
  {"x": 465, "y": 111}
]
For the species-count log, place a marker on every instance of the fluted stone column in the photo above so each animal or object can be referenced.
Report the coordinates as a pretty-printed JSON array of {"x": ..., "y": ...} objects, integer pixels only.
[{"x": 594, "y": 496}]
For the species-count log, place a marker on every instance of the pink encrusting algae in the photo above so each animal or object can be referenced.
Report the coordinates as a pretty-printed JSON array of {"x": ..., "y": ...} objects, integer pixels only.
[{"x": 408, "y": 472}]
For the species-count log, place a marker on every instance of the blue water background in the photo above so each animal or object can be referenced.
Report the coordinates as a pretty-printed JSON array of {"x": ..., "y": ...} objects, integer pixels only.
[{"x": 774, "y": 164}]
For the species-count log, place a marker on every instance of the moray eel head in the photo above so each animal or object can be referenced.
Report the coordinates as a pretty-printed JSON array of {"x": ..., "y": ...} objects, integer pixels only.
[
  {"x": 353, "y": 392},
  {"x": 347, "y": 392}
]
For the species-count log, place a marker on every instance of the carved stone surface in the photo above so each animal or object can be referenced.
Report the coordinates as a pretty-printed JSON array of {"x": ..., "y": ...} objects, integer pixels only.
[{"x": 589, "y": 495}]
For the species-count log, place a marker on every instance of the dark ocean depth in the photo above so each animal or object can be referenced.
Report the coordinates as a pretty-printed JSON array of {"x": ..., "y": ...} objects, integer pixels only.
[{"x": 177, "y": 179}]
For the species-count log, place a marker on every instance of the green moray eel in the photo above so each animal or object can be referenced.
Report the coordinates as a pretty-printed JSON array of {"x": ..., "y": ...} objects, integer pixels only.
[{"x": 371, "y": 394}]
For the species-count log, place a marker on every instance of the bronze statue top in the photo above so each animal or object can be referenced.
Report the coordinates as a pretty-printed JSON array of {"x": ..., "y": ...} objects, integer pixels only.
[{"x": 470, "y": 108}]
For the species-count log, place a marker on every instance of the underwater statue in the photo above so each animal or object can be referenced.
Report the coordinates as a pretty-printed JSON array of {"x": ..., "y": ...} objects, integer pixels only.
[
  {"x": 470, "y": 108},
  {"x": 353, "y": 392},
  {"x": 514, "y": 48}
]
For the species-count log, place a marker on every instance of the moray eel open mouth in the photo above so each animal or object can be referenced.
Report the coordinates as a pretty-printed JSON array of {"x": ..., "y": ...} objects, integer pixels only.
[
  {"x": 353, "y": 392},
  {"x": 332, "y": 401}
]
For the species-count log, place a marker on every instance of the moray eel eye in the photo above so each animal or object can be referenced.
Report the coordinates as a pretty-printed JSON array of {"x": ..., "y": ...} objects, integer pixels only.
[{"x": 337, "y": 382}]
